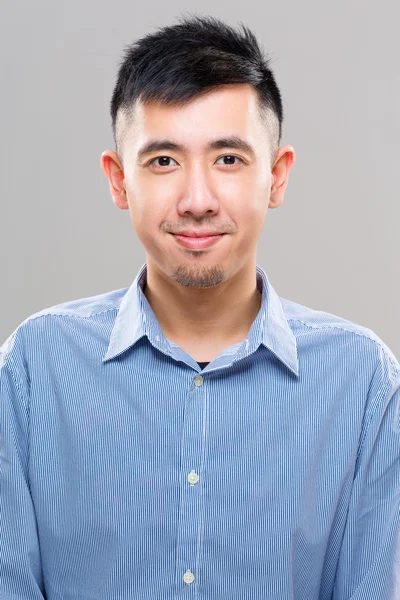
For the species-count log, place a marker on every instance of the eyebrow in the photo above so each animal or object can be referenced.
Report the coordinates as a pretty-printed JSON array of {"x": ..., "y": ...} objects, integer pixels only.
[{"x": 226, "y": 142}]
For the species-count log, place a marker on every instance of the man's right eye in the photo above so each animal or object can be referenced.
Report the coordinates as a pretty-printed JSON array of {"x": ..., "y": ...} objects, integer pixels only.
[{"x": 163, "y": 159}]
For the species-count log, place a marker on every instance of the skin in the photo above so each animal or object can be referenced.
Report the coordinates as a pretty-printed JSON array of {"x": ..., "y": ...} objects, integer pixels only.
[{"x": 205, "y": 300}]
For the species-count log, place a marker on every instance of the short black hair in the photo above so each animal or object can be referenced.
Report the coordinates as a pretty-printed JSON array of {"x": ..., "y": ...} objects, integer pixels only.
[{"x": 179, "y": 62}]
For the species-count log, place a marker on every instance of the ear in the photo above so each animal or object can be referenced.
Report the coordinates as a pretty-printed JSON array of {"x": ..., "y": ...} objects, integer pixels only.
[
  {"x": 112, "y": 169},
  {"x": 283, "y": 162}
]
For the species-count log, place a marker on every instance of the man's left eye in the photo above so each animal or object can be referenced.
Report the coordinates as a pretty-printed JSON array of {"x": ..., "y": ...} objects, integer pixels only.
[{"x": 231, "y": 158}]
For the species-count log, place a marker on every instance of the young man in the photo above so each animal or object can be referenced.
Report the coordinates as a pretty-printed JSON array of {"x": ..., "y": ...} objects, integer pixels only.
[{"x": 196, "y": 435}]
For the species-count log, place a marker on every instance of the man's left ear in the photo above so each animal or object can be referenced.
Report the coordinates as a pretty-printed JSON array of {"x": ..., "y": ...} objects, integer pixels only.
[{"x": 284, "y": 160}]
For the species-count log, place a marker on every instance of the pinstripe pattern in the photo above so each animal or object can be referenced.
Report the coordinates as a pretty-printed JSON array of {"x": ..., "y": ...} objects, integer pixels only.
[{"x": 125, "y": 474}]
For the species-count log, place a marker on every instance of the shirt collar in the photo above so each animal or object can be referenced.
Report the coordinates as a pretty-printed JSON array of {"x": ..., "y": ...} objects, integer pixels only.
[{"x": 136, "y": 319}]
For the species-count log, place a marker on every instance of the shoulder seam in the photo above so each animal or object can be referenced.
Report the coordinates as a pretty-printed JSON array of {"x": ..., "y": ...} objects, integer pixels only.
[
  {"x": 381, "y": 398},
  {"x": 54, "y": 314},
  {"x": 7, "y": 364},
  {"x": 393, "y": 363}
]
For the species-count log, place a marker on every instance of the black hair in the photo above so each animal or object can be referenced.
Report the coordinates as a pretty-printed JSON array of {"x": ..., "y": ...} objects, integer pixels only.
[{"x": 179, "y": 62}]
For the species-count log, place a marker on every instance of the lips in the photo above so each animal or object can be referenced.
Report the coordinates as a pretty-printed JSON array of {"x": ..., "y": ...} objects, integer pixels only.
[
  {"x": 197, "y": 242},
  {"x": 197, "y": 234}
]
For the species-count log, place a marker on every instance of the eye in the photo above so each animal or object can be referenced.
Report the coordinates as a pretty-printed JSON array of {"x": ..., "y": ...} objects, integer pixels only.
[
  {"x": 231, "y": 158},
  {"x": 164, "y": 162}
]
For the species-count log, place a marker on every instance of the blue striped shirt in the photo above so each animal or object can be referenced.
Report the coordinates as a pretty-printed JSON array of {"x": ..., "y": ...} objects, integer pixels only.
[{"x": 128, "y": 472}]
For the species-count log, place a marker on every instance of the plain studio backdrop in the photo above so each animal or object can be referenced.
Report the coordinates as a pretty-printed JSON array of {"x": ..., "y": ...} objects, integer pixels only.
[{"x": 332, "y": 245}]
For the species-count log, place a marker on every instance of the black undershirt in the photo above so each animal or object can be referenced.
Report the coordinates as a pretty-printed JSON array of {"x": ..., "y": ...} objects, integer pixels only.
[{"x": 203, "y": 364}]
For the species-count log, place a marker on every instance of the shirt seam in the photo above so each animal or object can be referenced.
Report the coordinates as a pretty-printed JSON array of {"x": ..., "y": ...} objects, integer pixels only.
[
  {"x": 13, "y": 371},
  {"x": 53, "y": 314},
  {"x": 393, "y": 363},
  {"x": 379, "y": 402}
]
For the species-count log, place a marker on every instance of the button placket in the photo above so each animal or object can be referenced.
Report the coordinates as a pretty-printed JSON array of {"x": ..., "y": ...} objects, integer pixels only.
[{"x": 191, "y": 511}]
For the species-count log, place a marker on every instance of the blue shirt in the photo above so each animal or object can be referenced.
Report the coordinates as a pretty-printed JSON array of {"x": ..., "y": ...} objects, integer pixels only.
[{"x": 127, "y": 472}]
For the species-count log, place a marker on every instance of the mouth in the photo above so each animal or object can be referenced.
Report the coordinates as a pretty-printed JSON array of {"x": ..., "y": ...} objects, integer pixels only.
[{"x": 197, "y": 242}]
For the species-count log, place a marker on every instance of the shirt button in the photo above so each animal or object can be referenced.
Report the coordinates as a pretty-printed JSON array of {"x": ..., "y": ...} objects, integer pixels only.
[
  {"x": 192, "y": 477},
  {"x": 198, "y": 381},
  {"x": 188, "y": 577}
]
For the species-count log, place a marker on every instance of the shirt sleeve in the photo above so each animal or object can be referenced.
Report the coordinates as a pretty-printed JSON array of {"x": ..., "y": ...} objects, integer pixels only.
[
  {"x": 20, "y": 563},
  {"x": 369, "y": 562}
]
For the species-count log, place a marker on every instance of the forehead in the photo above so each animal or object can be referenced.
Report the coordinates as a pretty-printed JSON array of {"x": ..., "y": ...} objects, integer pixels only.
[{"x": 229, "y": 110}]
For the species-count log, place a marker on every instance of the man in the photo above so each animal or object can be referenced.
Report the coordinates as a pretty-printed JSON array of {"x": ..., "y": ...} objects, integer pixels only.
[{"x": 196, "y": 435}]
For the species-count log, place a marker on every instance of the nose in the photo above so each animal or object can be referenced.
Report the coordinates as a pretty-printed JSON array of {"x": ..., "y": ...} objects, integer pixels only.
[{"x": 198, "y": 194}]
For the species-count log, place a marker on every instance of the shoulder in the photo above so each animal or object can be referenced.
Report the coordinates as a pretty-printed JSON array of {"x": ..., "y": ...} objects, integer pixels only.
[
  {"x": 83, "y": 307},
  {"x": 334, "y": 333},
  {"x": 78, "y": 312}
]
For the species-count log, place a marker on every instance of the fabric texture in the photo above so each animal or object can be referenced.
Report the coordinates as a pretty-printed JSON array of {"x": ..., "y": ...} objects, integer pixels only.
[{"x": 128, "y": 472}]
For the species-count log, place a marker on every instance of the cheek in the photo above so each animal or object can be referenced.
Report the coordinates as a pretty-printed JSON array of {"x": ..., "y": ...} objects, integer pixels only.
[
  {"x": 147, "y": 212},
  {"x": 249, "y": 185},
  {"x": 147, "y": 200},
  {"x": 245, "y": 200},
  {"x": 252, "y": 211}
]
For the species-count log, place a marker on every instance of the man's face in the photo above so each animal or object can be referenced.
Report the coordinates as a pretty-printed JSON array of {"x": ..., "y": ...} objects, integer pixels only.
[{"x": 197, "y": 188}]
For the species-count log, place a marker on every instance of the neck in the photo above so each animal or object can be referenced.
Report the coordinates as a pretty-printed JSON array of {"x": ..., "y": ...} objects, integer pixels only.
[{"x": 220, "y": 314}]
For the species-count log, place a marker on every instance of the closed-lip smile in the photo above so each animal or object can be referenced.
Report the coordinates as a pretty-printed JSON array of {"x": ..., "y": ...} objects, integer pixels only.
[
  {"x": 197, "y": 233},
  {"x": 196, "y": 241}
]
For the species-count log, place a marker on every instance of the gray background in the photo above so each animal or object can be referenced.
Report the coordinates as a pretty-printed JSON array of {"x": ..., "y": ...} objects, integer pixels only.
[{"x": 333, "y": 243}]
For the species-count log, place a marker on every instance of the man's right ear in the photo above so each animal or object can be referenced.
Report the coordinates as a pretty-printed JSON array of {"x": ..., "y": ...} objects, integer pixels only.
[{"x": 112, "y": 169}]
